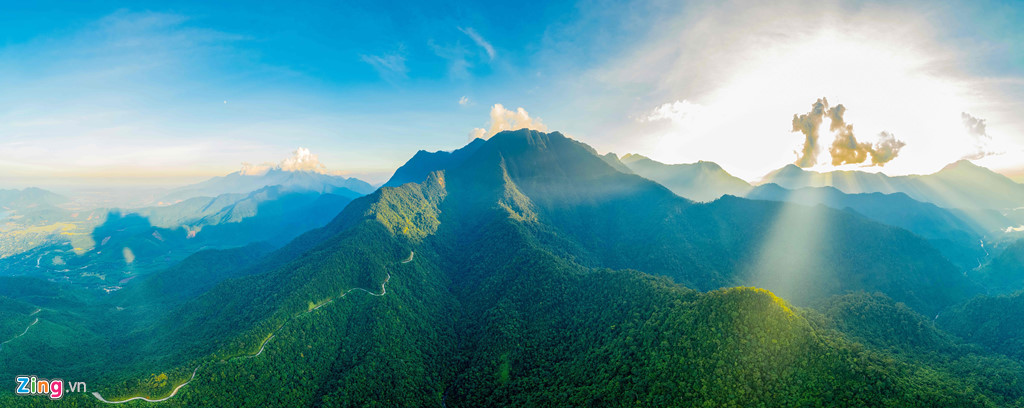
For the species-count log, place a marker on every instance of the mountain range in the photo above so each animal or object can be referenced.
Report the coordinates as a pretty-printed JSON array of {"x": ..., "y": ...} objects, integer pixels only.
[
  {"x": 959, "y": 185},
  {"x": 29, "y": 198},
  {"x": 527, "y": 270},
  {"x": 241, "y": 182},
  {"x": 701, "y": 181},
  {"x": 104, "y": 248}
]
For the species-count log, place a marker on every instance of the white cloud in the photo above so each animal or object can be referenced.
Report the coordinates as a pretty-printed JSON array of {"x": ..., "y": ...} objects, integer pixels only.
[
  {"x": 677, "y": 112},
  {"x": 455, "y": 54},
  {"x": 464, "y": 101},
  {"x": 479, "y": 40},
  {"x": 976, "y": 129},
  {"x": 749, "y": 82},
  {"x": 505, "y": 119},
  {"x": 391, "y": 67},
  {"x": 302, "y": 160},
  {"x": 249, "y": 169},
  {"x": 478, "y": 133},
  {"x": 129, "y": 256}
]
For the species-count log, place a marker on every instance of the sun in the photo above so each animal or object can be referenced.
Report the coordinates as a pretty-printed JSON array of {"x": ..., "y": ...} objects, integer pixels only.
[{"x": 745, "y": 122}]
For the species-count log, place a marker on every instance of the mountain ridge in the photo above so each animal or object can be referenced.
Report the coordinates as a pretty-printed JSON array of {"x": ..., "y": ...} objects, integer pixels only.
[
  {"x": 961, "y": 184},
  {"x": 700, "y": 181},
  {"x": 240, "y": 183}
]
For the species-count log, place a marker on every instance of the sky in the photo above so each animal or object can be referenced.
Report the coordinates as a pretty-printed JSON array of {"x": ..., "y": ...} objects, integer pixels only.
[{"x": 159, "y": 93}]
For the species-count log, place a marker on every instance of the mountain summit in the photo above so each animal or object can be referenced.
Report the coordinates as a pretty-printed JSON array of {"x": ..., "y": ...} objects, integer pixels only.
[
  {"x": 701, "y": 181},
  {"x": 301, "y": 172}
]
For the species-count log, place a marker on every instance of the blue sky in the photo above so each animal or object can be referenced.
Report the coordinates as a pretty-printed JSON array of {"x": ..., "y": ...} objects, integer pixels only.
[{"x": 147, "y": 92}]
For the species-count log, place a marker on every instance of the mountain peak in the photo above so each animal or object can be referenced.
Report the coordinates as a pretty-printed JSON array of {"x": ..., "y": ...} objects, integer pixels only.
[
  {"x": 533, "y": 138},
  {"x": 961, "y": 165},
  {"x": 633, "y": 157},
  {"x": 301, "y": 161},
  {"x": 791, "y": 168},
  {"x": 419, "y": 167},
  {"x": 708, "y": 165},
  {"x": 700, "y": 181},
  {"x": 302, "y": 172}
]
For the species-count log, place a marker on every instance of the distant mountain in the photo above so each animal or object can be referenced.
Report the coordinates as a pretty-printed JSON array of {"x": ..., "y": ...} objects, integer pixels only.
[
  {"x": 959, "y": 185},
  {"x": 951, "y": 231},
  {"x": 701, "y": 181},
  {"x": 243, "y": 182},
  {"x": 29, "y": 198},
  {"x": 613, "y": 160},
  {"x": 33, "y": 217},
  {"x": 156, "y": 237}
]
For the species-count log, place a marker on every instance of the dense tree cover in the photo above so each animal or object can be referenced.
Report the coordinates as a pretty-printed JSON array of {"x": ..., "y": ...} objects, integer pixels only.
[
  {"x": 878, "y": 322},
  {"x": 67, "y": 323},
  {"x": 558, "y": 334},
  {"x": 14, "y": 317},
  {"x": 193, "y": 276},
  {"x": 992, "y": 321},
  {"x": 534, "y": 283}
]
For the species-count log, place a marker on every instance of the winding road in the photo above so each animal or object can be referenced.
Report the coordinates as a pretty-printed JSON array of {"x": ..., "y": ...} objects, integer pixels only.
[
  {"x": 100, "y": 397},
  {"x": 383, "y": 291},
  {"x": 262, "y": 346},
  {"x": 22, "y": 333}
]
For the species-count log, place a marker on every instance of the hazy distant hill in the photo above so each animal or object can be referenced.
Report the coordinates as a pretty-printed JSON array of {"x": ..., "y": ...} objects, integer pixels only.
[
  {"x": 240, "y": 182},
  {"x": 701, "y": 181},
  {"x": 29, "y": 197},
  {"x": 613, "y": 160},
  {"x": 33, "y": 217},
  {"x": 959, "y": 185},
  {"x": 953, "y": 232},
  {"x": 122, "y": 244}
]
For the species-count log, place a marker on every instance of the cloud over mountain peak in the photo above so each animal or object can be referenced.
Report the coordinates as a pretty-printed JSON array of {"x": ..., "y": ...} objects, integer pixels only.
[
  {"x": 301, "y": 160},
  {"x": 506, "y": 119}
]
